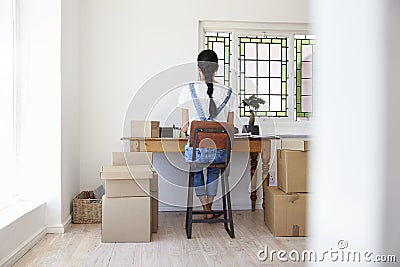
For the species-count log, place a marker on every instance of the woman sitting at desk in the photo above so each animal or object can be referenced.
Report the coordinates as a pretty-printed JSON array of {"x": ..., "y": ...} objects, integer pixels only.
[{"x": 207, "y": 100}]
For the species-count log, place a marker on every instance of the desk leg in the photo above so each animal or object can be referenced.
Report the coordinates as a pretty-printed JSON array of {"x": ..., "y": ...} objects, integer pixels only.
[
  {"x": 253, "y": 177},
  {"x": 266, "y": 156}
]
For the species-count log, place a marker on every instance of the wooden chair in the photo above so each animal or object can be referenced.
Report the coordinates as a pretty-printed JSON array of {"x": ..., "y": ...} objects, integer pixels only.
[{"x": 211, "y": 134}]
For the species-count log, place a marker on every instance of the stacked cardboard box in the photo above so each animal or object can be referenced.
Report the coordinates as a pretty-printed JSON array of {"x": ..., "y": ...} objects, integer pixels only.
[
  {"x": 126, "y": 203},
  {"x": 142, "y": 158},
  {"x": 130, "y": 205},
  {"x": 141, "y": 128},
  {"x": 286, "y": 205}
]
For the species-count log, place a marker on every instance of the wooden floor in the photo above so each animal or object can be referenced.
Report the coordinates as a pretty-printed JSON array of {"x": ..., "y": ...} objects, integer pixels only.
[{"x": 210, "y": 245}]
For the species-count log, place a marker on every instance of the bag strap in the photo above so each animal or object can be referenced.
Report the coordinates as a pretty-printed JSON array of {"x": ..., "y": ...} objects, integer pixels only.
[
  {"x": 197, "y": 105},
  {"x": 223, "y": 104}
]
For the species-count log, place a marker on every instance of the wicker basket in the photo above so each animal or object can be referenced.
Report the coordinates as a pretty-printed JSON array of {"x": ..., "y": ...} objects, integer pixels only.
[{"x": 86, "y": 209}]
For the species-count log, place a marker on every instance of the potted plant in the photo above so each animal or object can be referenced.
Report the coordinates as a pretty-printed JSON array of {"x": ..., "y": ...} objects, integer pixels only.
[{"x": 253, "y": 102}]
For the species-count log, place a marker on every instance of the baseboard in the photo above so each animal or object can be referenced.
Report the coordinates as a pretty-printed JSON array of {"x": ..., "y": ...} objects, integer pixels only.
[
  {"x": 23, "y": 248},
  {"x": 67, "y": 223},
  {"x": 59, "y": 228},
  {"x": 30, "y": 242}
]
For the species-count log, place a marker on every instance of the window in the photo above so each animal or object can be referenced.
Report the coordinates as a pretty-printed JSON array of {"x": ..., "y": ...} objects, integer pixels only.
[
  {"x": 276, "y": 66},
  {"x": 262, "y": 72},
  {"x": 304, "y": 62},
  {"x": 221, "y": 44},
  {"x": 7, "y": 107}
]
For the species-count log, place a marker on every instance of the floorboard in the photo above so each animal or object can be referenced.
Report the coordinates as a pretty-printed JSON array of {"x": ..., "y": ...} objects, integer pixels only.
[{"x": 210, "y": 245}]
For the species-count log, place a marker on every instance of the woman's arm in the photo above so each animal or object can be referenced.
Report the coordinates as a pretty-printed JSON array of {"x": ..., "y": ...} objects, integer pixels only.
[
  {"x": 230, "y": 117},
  {"x": 185, "y": 120}
]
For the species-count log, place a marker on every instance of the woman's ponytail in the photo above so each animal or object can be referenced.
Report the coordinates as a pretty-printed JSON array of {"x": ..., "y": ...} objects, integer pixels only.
[
  {"x": 208, "y": 64},
  {"x": 212, "y": 108}
]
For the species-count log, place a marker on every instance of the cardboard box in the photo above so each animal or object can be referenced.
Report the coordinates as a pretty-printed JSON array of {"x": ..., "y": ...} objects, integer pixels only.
[
  {"x": 126, "y": 219},
  {"x": 145, "y": 128},
  {"x": 127, "y": 181},
  {"x": 125, "y": 172},
  {"x": 285, "y": 214},
  {"x": 292, "y": 169},
  {"x": 136, "y": 158},
  {"x": 154, "y": 212},
  {"x": 295, "y": 144},
  {"x": 132, "y": 158},
  {"x": 154, "y": 182}
]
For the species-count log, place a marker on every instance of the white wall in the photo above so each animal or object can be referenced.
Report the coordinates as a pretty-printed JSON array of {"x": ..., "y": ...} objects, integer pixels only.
[
  {"x": 70, "y": 58},
  {"x": 124, "y": 43}
]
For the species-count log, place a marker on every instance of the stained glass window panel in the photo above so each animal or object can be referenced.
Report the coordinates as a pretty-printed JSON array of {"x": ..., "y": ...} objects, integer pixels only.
[
  {"x": 251, "y": 85},
  {"x": 218, "y": 48},
  {"x": 263, "y": 86},
  {"x": 275, "y": 85},
  {"x": 263, "y": 69},
  {"x": 263, "y": 52},
  {"x": 276, "y": 50},
  {"x": 250, "y": 51},
  {"x": 284, "y": 88},
  {"x": 264, "y": 107},
  {"x": 276, "y": 102},
  {"x": 306, "y": 104},
  {"x": 251, "y": 68},
  {"x": 220, "y": 43},
  {"x": 306, "y": 70},
  {"x": 276, "y": 68},
  {"x": 306, "y": 86},
  {"x": 284, "y": 78},
  {"x": 304, "y": 56},
  {"x": 261, "y": 66},
  {"x": 220, "y": 71},
  {"x": 284, "y": 52}
]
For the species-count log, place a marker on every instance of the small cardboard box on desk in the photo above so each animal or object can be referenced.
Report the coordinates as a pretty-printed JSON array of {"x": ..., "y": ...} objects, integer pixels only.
[
  {"x": 145, "y": 128},
  {"x": 126, "y": 203}
]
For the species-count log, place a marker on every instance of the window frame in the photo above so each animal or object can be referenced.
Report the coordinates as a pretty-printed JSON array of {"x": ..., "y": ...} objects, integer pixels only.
[{"x": 288, "y": 30}]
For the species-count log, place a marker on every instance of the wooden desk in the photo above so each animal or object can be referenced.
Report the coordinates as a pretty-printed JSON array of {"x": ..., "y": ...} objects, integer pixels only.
[{"x": 252, "y": 145}]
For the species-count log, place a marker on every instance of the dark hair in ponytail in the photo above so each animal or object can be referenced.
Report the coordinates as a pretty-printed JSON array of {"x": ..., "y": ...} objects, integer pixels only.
[{"x": 207, "y": 61}]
